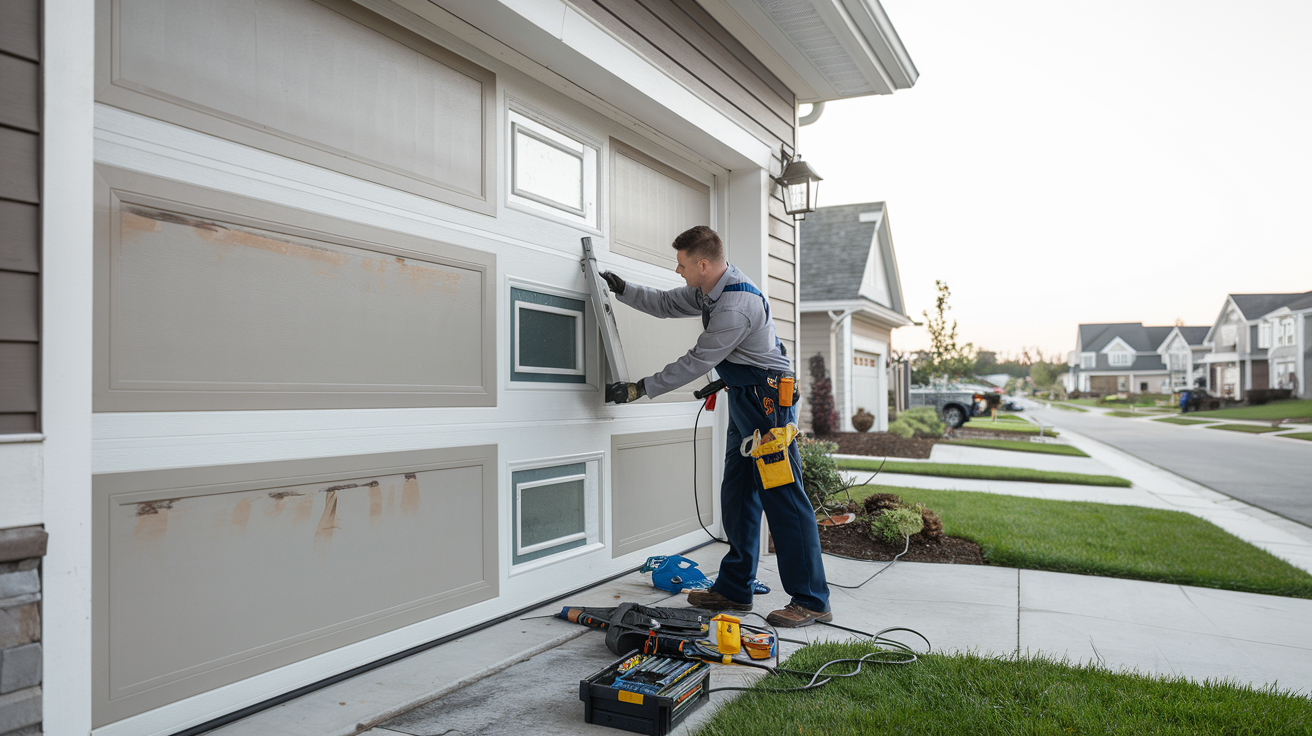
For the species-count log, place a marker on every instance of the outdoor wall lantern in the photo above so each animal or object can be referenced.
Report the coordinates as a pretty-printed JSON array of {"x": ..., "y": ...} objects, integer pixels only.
[{"x": 800, "y": 183}]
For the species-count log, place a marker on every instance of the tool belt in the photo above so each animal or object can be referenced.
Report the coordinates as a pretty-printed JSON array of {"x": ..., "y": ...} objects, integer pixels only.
[{"x": 771, "y": 453}]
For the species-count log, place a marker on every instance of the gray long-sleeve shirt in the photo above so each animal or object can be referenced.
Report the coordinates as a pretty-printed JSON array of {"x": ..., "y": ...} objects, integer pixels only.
[{"x": 739, "y": 329}]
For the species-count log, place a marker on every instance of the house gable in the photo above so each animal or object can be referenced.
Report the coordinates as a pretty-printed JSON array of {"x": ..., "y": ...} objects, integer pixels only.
[{"x": 874, "y": 282}]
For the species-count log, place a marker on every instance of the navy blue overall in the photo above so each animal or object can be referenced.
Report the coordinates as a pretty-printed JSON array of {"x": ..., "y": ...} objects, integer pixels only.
[{"x": 754, "y": 404}]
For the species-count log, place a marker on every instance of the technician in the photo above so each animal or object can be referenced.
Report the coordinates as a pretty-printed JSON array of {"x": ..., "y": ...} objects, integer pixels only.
[{"x": 738, "y": 341}]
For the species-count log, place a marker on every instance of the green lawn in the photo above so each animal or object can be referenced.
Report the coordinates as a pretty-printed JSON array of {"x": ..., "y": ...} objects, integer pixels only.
[
  {"x": 1295, "y": 435},
  {"x": 1124, "y": 414},
  {"x": 1274, "y": 410},
  {"x": 1026, "y": 428},
  {"x": 1182, "y": 420},
  {"x": 1112, "y": 541},
  {"x": 942, "y": 695},
  {"x": 1066, "y": 406},
  {"x": 1022, "y": 446},
  {"x": 984, "y": 472},
  {"x": 1249, "y": 428},
  {"x": 1012, "y": 418}
]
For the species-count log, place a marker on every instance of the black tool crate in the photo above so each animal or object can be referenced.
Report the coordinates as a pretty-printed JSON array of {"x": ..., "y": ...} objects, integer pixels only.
[{"x": 656, "y": 715}]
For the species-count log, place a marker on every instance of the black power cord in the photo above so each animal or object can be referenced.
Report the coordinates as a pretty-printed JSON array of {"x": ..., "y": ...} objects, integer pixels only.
[{"x": 695, "y": 500}]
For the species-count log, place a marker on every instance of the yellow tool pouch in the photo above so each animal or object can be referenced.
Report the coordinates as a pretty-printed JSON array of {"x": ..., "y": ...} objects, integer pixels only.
[{"x": 771, "y": 453}]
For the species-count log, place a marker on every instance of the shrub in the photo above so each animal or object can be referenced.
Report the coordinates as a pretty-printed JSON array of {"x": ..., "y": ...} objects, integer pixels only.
[
  {"x": 820, "y": 477},
  {"x": 920, "y": 421},
  {"x": 894, "y": 525},
  {"x": 824, "y": 418}
]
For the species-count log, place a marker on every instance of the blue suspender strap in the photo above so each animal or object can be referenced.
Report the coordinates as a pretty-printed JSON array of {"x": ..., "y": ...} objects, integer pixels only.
[{"x": 744, "y": 286}]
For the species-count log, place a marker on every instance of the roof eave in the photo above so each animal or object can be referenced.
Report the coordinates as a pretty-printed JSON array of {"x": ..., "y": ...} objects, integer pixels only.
[
  {"x": 879, "y": 312},
  {"x": 861, "y": 28}
]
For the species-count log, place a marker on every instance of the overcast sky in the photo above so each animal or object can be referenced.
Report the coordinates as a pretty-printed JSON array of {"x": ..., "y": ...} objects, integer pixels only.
[{"x": 1059, "y": 163}]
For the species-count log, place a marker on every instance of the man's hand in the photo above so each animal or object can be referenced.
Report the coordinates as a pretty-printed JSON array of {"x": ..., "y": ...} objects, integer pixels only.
[
  {"x": 623, "y": 393},
  {"x": 615, "y": 283}
]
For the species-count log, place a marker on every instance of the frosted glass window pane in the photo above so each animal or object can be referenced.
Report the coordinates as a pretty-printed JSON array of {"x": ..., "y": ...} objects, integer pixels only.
[
  {"x": 551, "y": 512},
  {"x": 547, "y": 340},
  {"x": 548, "y": 173}
]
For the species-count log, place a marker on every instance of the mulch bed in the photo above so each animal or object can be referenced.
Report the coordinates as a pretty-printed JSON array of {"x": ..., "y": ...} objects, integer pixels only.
[
  {"x": 881, "y": 444},
  {"x": 853, "y": 540}
]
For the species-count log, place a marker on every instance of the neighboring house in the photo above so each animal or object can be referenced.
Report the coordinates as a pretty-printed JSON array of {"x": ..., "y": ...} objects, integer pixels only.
[
  {"x": 851, "y": 302},
  {"x": 1247, "y": 327},
  {"x": 1286, "y": 333},
  {"x": 298, "y": 368},
  {"x": 1124, "y": 357},
  {"x": 1182, "y": 352}
]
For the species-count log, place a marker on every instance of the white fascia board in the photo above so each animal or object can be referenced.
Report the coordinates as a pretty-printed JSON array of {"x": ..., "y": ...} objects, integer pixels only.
[
  {"x": 875, "y": 25},
  {"x": 878, "y": 312},
  {"x": 558, "y": 37}
]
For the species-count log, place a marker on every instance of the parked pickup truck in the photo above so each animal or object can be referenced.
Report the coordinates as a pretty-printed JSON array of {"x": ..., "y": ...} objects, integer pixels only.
[{"x": 955, "y": 404}]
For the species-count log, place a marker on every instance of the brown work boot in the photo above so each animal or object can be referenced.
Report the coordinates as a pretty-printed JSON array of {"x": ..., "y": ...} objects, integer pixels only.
[
  {"x": 712, "y": 601},
  {"x": 794, "y": 615}
]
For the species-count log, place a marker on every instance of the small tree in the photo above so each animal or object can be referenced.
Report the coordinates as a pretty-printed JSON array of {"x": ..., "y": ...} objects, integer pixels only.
[
  {"x": 824, "y": 418},
  {"x": 947, "y": 358}
]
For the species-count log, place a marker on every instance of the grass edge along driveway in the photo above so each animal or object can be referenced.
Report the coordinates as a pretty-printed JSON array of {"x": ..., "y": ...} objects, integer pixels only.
[
  {"x": 972, "y": 694},
  {"x": 1017, "y": 427},
  {"x": 984, "y": 472},
  {"x": 1042, "y": 448},
  {"x": 1112, "y": 541},
  {"x": 1183, "y": 421},
  {"x": 1287, "y": 409},
  {"x": 1247, "y": 428}
]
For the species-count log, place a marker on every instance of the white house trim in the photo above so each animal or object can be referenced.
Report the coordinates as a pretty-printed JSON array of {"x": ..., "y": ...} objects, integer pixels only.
[{"x": 885, "y": 316}]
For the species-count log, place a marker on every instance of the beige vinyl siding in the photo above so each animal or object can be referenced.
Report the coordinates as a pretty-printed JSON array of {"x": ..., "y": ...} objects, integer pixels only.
[
  {"x": 20, "y": 216},
  {"x": 679, "y": 37},
  {"x": 323, "y": 81},
  {"x": 815, "y": 339},
  {"x": 783, "y": 271},
  {"x": 207, "y": 576}
]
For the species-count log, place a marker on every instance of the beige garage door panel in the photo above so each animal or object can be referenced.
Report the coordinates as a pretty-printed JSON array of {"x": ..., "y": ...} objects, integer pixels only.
[
  {"x": 651, "y": 487},
  {"x": 228, "y": 303},
  {"x": 325, "y": 82},
  {"x": 651, "y": 343},
  {"x": 205, "y": 576},
  {"x": 651, "y": 203}
]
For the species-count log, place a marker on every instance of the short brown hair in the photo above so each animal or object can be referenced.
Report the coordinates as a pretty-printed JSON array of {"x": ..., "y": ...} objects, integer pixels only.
[{"x": 700, "y": 242}]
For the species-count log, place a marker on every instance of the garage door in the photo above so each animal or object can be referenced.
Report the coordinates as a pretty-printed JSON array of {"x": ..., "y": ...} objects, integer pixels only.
[{"x": 867, "y": 382}]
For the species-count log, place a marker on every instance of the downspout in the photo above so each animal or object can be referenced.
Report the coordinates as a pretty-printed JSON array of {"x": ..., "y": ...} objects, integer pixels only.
[{"x": 817, "y": 109}]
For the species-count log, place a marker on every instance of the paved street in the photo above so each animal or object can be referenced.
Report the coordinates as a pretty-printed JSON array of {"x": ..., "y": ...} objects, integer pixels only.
[{"x": 1266, "y": 472}]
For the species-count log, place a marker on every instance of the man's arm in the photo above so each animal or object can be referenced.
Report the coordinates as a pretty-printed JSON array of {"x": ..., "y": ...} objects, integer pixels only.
[
  {"x": 680, "y": 302},
  {"x": 721, "y": 336}
]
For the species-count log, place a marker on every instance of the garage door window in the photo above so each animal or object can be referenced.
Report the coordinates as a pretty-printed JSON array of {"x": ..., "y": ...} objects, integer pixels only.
[
  {"x": 547, "y": 336},
  {"x": 554, "y": 509},
  {"x": 551, "y": 172}
]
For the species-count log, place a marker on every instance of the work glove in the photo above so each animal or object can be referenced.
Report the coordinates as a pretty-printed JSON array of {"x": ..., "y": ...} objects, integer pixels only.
[
  {"x": 615, "y": 283},
  {"x": 623, "y": 393}
]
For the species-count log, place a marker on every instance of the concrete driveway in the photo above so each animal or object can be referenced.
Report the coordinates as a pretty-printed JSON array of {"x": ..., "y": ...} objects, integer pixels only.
[{"x": 1268, "y": 472}]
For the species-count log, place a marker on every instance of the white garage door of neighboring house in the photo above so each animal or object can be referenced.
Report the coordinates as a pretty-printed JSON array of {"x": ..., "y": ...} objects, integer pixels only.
[{"x": 867, "y": 382}]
